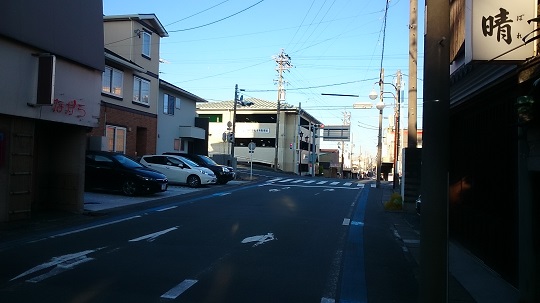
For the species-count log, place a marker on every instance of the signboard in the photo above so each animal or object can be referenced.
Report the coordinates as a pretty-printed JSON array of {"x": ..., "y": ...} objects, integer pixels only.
[
  {"x": 495, "y": 27},
  {"x": 336, "y": 133},
  {"x": 362, "y": 105}
]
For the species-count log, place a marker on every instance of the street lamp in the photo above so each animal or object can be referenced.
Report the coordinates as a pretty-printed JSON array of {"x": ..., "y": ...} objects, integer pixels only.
[{"x": 380, "y": 106}]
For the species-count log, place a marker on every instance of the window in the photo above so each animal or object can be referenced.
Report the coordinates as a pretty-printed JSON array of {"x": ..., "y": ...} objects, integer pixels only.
[
  {"x": 141, "y": 91},
  {"x": 112, "y": 81},
  {"x": 116, "y": 138},
  {"x": 146, "y": 43},
  {"x": 170, "y": 103}
]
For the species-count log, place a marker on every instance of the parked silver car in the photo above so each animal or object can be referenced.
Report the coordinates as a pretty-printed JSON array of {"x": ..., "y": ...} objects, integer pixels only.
[{"x": 180, "y": 170}]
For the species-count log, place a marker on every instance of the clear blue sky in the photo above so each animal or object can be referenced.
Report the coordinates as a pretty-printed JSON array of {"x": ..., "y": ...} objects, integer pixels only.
[{"x": 336, "y": 46}]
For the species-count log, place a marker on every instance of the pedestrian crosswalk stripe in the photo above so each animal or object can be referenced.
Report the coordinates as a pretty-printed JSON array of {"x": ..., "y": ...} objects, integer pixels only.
[
  {"x": 309, "y": 182},
  {"x": 286, "y": 180},
  {"x": 347, "y": 184},
  {"x": 322, "y": 182},
  {"x": 297, "y": 181},
  {"x": 334, "y": 183}
]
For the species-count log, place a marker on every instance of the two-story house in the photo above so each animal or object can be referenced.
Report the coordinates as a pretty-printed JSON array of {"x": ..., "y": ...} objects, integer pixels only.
[
  {"x": 179, "y": 128},
  {"x": 130, "y": 85},
  {"x": 49, "y": 98}
]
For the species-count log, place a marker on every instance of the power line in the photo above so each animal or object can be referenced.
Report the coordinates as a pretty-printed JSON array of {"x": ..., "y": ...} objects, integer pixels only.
[{"x": 195, "y": 27}]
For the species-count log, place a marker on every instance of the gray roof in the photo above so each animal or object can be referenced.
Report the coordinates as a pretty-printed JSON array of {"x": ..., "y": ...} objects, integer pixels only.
[{"x": 258, "y": 104}]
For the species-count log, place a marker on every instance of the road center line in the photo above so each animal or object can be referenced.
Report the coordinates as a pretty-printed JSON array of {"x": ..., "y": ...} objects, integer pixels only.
[
  {"x": 174, "y": 292},
  {"x": 92, "y": 227}
]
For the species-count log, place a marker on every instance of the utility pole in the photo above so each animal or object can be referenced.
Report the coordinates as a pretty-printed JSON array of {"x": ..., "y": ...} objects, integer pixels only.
[
  {"x": 435, "y": 154},
  {"x": 396, "y": 130},
  {"x": 346, "y": 121},
  {"x": 234, "y": 120},
  {"x": 283, "y": 64},
  {"x": 413, "y": 65}
]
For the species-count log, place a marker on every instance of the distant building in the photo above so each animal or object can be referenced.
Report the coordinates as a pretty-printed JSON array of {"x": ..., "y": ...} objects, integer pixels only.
[{"x": 298, "y": 145}]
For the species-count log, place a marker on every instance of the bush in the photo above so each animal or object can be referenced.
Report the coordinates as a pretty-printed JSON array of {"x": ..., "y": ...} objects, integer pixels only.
[{"x": 395, "y": 202}]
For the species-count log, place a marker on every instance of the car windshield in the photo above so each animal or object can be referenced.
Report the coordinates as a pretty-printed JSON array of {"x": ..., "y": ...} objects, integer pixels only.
[
  {"x": 189, "y": 162},
  {"x": 208, "y": 160},
  {"x": 127, "y": 162}
]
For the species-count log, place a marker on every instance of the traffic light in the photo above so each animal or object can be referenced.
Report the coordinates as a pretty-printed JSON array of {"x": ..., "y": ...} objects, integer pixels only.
[
  {"x": 290, "y": 146},
  {"x": 231, "y": 137}
]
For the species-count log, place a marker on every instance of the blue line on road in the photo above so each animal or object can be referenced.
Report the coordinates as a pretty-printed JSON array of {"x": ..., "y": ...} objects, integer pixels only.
[{"x": 353, "y": 287}]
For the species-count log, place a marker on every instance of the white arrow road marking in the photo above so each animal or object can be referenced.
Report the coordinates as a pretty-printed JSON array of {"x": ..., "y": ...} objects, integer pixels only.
[
  {"x": 260, "y": 239},
  {"x": 273, "y": 190},
  {"x": 174, "y": 292},
  {"x": 61, "y": 264},
  {"x": 152, "y": 237}
]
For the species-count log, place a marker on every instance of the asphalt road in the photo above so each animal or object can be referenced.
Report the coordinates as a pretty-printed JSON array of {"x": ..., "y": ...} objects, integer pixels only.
[{"x": 280, "y": 240}]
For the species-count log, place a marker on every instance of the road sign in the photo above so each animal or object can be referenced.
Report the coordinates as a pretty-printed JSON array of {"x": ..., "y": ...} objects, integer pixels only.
[
  {"x": 251, "y": 146},
  {"x": 362, "y": 105}
]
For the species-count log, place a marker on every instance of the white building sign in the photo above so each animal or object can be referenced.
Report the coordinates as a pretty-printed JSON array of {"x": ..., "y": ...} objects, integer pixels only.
[{"x": 496, "y": 28}]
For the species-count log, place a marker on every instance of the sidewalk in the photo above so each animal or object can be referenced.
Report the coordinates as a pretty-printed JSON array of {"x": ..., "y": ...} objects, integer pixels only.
[{"x": 469, "y": 280}]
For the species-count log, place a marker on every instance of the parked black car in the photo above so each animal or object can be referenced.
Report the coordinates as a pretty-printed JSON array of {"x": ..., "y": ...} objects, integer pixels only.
[
  {"x": 118, "y": 172},
  {"x": 223, "y": 173}
]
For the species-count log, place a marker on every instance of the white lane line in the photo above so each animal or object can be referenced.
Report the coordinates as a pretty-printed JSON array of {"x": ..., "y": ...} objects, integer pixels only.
[
  {"x": 167, "y": 208},
  {"x": 153, "y": 236},
  {"x": 347, "y": 184},
  {"x": 174, "y": 292},
  {"x": 92, "y": 227},
  {"x": 346, "y": 221},
  {"x": 322, "y": 182},
  {"x": 334, "y": 183}
]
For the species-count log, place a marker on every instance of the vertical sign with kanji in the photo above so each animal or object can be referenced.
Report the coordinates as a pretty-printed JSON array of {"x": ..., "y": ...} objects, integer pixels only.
[{"x": 497, "y": 28}]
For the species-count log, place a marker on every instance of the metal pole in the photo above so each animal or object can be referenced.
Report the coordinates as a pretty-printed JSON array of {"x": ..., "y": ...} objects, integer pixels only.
[
  {"x": 379, "y": 140},
  {"x": 234, "y": 120}
]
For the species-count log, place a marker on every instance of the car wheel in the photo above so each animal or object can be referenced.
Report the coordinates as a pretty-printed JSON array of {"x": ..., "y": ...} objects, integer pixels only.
[
  {"x": 193, "y": 181},
  {"x": 129, "y": 188}
]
